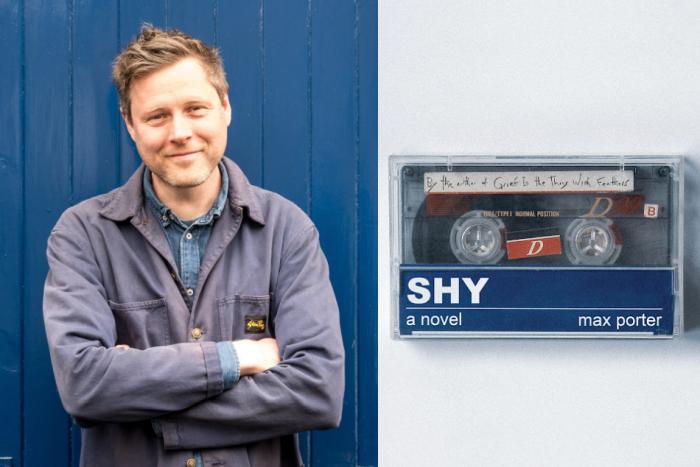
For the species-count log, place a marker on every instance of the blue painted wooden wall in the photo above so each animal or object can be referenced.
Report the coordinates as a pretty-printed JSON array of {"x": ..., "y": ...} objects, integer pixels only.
[{"x": 303, "y": 75}]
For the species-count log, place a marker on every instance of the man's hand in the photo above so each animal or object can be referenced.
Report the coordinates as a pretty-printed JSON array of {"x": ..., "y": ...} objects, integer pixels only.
[{"x": 256, "y": 356}]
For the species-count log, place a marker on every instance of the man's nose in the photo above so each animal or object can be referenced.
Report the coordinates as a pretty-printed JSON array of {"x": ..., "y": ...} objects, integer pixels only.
[{"x": 181, "y": 129}]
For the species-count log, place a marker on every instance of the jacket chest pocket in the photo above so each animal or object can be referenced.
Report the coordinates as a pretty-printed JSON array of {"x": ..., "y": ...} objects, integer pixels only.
[
  {"x": 245, "y": 317},
  {"x": 142, "y": 324}
]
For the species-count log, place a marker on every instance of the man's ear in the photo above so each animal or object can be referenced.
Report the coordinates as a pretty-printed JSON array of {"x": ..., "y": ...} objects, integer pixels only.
[
  {"x": 127, "y": 122},
  {"x": 226, "y": 104}
]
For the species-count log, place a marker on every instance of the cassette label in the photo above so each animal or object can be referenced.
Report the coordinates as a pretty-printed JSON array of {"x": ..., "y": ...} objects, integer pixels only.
[
  {"x": 488, "y": 302},
  {"x": 532, "y": 247},
  {"x": 577, "y": 247},
  {"x": 545, "y": 181},
  {"x": 651, "y": 211}
]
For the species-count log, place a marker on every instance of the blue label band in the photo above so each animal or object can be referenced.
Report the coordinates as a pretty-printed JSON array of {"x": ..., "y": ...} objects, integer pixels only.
[{"x": 569, "y": 302}]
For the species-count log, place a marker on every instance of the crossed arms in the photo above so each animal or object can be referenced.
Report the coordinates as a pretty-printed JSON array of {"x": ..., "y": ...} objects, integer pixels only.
[{"x": 288, "y": 384}]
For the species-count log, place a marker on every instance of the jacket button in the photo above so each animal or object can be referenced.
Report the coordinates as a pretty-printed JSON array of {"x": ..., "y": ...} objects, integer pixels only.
[
  {"x": 196, "y": 333},
  {"x": 191, "y": 462}
]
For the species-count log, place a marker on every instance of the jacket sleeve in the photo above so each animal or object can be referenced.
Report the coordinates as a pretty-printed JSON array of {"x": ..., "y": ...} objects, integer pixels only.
[
  {"x": 96, "y": 381},
  {"x": 304, "y": 391}
]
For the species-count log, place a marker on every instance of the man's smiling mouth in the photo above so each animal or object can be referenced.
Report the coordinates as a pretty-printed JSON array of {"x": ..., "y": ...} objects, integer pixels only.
[{"x": 182, "y": 154}]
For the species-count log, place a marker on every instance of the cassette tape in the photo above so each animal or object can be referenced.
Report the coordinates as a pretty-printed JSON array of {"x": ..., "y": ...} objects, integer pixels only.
[{"x": 568, "y": 232}]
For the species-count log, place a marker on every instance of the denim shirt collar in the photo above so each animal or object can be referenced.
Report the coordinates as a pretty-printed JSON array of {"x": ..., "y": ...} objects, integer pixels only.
[
  {"x": 127, "y": 201},
  {"x": 165, "y": 214}
]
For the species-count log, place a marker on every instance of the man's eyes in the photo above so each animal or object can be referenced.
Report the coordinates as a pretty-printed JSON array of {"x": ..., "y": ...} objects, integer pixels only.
[
  {"x": 194, "y": 110},
  {"x": 197, "y": 109},
  {"x": 155, "y": 118}
]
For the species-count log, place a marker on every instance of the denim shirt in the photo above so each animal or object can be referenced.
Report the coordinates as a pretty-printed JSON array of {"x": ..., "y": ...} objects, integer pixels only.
[
  {"x": 188, "y": 242},
  {"x": 187, "y": 239}
]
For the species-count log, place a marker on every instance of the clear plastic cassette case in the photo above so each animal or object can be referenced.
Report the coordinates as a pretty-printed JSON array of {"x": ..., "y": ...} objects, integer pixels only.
[{"x": 536, "y": 247}]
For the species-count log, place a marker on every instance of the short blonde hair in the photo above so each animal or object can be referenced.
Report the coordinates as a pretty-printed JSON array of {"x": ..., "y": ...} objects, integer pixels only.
[{"x": 156, "y": 48}]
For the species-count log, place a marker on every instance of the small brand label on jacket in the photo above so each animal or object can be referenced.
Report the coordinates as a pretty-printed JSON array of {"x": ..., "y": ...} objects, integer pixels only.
[{"x": 255, "y": 324}]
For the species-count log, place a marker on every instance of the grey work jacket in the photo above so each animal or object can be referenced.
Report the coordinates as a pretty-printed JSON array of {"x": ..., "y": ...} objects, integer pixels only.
[{"x": 112, "y": 280}]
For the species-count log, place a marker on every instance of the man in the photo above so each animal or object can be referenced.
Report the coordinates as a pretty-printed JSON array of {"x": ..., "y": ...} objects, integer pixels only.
[{"x": 189, "y": 314}]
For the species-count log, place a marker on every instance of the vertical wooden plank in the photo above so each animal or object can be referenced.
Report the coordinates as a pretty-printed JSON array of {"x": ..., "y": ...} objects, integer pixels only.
[
  {"x": 240, "y": 40},
  {"x": 96, "y": 121},
  {"x": 132, "y": 14},
  {"x": 95, "y": 117},
  {"x": 287, "y": 111},
  {"x": 286, "y": 120},
  {"x": 48, "y": 191},
  {"x": 334, "y": 195},
  {"x": 367, "y": 226},
  {"x": 11, "y": 245},
  {"x": 193, "y": 17}
]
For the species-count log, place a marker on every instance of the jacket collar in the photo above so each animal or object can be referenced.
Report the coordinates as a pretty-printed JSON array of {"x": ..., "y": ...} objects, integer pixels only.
[{"x": 127, "y": 201}]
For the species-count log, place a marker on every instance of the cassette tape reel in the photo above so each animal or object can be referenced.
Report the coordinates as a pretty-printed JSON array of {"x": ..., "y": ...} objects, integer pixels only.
[
  {"x": 477, "y": 239},
  {"x": 593, "y": 242}
]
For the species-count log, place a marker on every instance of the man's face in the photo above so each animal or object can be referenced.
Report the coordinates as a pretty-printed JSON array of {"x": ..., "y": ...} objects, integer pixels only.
[{"x": 179, "y": 123}]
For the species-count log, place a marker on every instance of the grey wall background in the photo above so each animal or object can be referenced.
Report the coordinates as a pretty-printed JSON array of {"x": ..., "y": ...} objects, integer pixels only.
[{"x": 545, "y": 78}]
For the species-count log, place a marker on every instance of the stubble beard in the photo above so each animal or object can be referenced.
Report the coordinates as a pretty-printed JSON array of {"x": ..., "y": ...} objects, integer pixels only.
[{"x": 176, "y": 182}]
